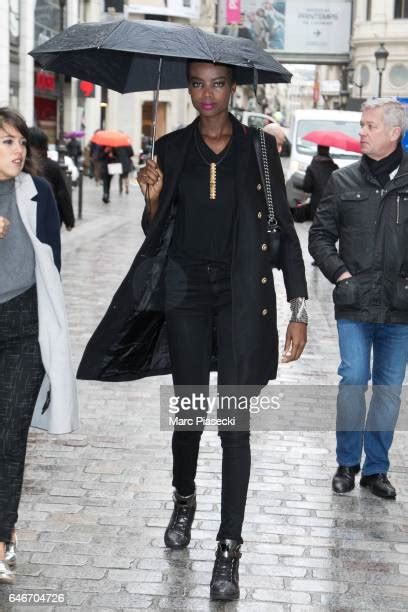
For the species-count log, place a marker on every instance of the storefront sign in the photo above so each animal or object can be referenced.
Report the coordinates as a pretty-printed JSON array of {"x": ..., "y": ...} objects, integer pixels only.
[
  {"x": 233, "y": 11},
  {"x": 190, "y": 9},
  {"x": 45, "y": 82},
  {"x": 86, "y": 89}
]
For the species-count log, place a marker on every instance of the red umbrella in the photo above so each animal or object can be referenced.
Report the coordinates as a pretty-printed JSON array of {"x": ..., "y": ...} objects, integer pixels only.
[
  {"x": 334, "y": 139},
  {"x": 110, "y": 138}
]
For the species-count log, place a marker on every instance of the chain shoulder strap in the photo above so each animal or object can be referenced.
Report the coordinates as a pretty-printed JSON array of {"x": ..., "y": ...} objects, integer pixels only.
[{"x": 272, "y": 221}]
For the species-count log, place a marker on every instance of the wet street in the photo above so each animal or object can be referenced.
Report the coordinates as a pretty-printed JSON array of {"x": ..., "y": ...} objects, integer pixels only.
[{"x": 96, "y": 502}]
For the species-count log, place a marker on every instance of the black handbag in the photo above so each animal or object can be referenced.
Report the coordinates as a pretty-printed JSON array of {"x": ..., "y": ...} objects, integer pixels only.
[{"x": 274, "y": 237}]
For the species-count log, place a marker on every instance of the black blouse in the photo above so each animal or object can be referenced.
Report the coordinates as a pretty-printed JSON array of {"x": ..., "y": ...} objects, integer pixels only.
[{"x": 203, "y": 227}]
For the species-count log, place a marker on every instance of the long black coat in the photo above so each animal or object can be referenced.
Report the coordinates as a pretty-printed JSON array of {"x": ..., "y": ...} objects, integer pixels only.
[{"x": 131, "y": 340}]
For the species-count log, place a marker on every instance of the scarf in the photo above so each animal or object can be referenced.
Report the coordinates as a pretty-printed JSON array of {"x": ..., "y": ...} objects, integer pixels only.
[{"x": 382, "y": 168}]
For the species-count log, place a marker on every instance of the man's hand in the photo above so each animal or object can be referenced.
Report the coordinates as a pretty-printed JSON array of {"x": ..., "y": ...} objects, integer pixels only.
[
  {"x": 344, "y": 276},
  {"x": 296, "y": 338},
  {"x": 4, "y": 227}
]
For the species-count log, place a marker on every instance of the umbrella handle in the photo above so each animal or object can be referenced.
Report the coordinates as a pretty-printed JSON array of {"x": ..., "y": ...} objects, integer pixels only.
[{"x": 156, "y": 106}]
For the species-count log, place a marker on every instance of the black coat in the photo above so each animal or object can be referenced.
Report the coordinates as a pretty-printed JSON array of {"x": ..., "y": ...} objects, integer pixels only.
[
  {"x": 51, "y": 170},
  {"x": 131, "y": 340},
  {"x": 317, "y": 175},
  {"x": 124, "y": 156},
  {"x": 371, "y": 225}
]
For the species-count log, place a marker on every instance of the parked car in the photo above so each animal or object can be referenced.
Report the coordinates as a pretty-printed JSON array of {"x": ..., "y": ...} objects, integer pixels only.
[
  {"x": 251, "y": 118},
  {"x": 302, "y": 151},
  {"x": 258, "y": 120},
  {"x": 69, "y": 162}
]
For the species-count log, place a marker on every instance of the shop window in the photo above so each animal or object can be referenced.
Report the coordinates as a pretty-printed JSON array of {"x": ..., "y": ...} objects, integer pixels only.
[
  {"x": 401, "y": 9},
  {"x": 368, "y": 10}
]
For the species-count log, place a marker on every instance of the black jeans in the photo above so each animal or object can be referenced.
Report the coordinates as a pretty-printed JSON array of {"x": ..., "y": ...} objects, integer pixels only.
[
  {"x": 198, "y": 299},
  {"x": 21, "y": 375},
  {"x": 106, "y": 180}
]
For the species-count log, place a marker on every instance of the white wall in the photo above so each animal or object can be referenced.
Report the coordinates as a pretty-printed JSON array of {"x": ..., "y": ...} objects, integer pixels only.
[
  {"x": 26, "y": 70},
  {"x": 4, "y": 55}
]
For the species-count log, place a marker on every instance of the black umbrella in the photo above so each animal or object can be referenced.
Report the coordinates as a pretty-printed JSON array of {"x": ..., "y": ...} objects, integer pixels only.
[{"x": 139, "y": 55}]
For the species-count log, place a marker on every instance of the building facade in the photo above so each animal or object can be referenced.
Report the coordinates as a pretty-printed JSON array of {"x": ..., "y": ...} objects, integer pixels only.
[
  {"x": 35, "y": 92},
  {"x": 375, "y": 22}
]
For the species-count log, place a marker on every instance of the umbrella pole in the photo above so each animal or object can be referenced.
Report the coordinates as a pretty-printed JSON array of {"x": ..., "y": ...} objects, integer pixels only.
[
  {"x": 156, "y": 106},
  {"x": 155, "y": 109}
]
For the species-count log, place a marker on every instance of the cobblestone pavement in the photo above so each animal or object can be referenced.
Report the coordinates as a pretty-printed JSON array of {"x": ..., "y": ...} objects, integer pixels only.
[{"x": 96, "y": 502}]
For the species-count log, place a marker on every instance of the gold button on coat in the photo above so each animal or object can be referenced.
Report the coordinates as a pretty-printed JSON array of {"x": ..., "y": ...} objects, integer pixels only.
[
  {"x": 264, "y": 247},
  {"x": 259, "y": 187},
  {"x": 264, "y": 312},
  {"x": 259, "y": 214},
  {"x": 264, "y": 280}
]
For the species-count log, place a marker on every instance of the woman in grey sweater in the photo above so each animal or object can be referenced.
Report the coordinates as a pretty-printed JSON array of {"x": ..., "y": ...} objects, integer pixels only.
[{"x": 29, "y": 226}]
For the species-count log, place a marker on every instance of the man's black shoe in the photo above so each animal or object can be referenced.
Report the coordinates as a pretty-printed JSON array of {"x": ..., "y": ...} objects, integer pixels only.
[
  {"x": 343, "y": 480},
  {"x": 178, "y": 532},
  {"x": 379, "y": 485}
]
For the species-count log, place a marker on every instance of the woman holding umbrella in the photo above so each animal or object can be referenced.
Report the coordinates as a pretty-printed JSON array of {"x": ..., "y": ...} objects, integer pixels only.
[{"x": 200, "y": 296}]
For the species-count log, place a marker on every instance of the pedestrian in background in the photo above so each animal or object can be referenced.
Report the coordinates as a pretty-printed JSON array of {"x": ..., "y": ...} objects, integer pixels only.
[
  {"x": 95, "y": 163},
  {"x": 317, "y": 175},
  {"x": 49, "y": 169},
  {"x": 206, "y": 269},
  {"x": 124, "y": 156},
  {"x": 74, "y": 150},
  {"x": 35, "y": 363},
  {"x": 365, "y": 208},
  {"x": 106, "y": 156}
]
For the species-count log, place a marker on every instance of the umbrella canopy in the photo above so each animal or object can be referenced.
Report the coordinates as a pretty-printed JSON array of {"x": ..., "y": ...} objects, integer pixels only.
[
  {"x": 126, "y": 55},
  {"x": 110, "y": 138},
  {"x": 333, "y": 139}
]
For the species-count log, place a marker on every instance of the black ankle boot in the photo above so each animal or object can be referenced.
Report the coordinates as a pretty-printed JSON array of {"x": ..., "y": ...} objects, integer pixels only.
[
  {"x": 225, "y": 579},
  {"x": 178, "y": 532}
]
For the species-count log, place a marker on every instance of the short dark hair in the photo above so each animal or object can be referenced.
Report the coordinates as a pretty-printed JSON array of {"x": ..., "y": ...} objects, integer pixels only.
[
  {"x": 38, "y": 139},
  {"x": 323, "y": 150},
  {"x": 231, "y": 69},
  {"x": 8, "y": 116}
]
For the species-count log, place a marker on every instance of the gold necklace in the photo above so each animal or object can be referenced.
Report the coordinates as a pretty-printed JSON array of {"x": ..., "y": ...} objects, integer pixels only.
[{"x": 212, "y": 165}]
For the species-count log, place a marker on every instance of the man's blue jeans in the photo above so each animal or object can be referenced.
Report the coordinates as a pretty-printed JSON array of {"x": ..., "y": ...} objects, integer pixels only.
[{"x": 388, "y": 344}]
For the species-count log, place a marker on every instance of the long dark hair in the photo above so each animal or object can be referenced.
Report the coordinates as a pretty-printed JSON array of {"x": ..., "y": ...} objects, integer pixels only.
[{"x": 8, "y": 116}]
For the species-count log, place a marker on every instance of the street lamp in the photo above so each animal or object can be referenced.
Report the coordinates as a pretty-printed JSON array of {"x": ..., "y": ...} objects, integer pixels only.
[
  {"x": 61, "y": 78},
  {"x": 344, "y": 96},
  {"x": 103, "y": 106},
  {"x": 359, "y": 86},
  {"x": 381, "y": 55},
  {"x": 344, "y": 92}
]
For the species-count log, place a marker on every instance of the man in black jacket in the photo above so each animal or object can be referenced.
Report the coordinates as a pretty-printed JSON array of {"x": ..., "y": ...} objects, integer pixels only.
[{"x": 365, "y": 207}]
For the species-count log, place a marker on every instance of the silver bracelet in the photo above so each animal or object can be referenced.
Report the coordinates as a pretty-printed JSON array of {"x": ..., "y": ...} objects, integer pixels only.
[{"x": 298, "y": 310}]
